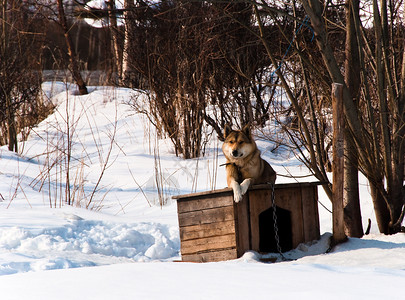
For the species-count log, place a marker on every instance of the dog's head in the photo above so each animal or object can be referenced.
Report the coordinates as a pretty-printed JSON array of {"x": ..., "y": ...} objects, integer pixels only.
[{"x": 238, "y": 143}]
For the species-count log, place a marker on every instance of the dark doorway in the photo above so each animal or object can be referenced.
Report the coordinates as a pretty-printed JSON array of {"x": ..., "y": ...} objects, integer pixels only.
[{"x": 266, "y": 230}]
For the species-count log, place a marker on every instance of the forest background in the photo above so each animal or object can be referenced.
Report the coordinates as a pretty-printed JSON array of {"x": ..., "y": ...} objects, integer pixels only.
[{"x": 204, "y": 64}]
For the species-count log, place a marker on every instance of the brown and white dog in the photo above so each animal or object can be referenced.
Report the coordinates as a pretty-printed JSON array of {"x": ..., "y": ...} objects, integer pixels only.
[{"x": 244, "y": 166}]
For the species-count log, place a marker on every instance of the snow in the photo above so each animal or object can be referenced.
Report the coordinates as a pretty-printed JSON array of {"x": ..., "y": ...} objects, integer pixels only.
[
  {"x": 228, "y": 280},
  {"x": 125, "y": 245},
  {"x": 102, "y": 22},
  {"x": 119, "y": 5}
]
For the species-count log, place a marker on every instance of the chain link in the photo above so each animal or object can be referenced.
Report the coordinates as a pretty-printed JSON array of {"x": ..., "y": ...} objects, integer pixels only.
[{"x": 275, "y": 226}]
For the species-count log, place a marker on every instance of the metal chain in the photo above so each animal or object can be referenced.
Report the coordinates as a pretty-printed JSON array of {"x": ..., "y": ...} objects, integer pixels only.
[{"x": 277, "y": 237}]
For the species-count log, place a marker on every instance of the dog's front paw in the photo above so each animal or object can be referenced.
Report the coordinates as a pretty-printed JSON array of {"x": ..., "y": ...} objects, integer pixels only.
[
  {"x": 237, "y": 196},
  {"x": 237, "y": 192},
  {"x": 245, "y": 185}
]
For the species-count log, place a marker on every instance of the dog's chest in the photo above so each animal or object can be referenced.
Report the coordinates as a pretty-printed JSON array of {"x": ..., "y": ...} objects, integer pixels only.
[{"x": 251, "y": 170}]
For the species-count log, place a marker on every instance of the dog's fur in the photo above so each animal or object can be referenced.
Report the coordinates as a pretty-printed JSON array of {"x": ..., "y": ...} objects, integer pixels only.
[{"x": 244, "y": 166}]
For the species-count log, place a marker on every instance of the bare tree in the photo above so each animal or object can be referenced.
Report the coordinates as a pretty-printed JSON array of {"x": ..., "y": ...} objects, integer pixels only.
[
  {"x": 351, "y": 200},
  {"x": 367, "y": 98},
  {"x": 187, "y": 69},
  {"x": 19, "y": 76},
  {"x": 172, "y": 57},
  {"x": 74, "y": 64},
  {"x": 115, "y": 45},
  {"x": 304, "y": 121},
  {"x": 378, "y": 139},
  {"x": 203, "y": 67}
]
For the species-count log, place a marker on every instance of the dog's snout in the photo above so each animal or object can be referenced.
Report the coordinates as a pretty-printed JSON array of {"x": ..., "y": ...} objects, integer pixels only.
[{"x": 235, "y": 153}]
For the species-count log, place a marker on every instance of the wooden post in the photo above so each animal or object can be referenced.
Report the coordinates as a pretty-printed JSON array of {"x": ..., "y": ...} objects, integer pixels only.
[{"x": 339, "y": 235}]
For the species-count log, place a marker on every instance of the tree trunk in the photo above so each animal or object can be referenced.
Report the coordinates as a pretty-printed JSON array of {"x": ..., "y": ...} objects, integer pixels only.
[
  {"x": 314, "y": 11},
  {"x": 362, "y": 140},
  {"x": 380, "y": 207},
  {"x": 126, "y": 65},
  {"x": 351, "y": 199},
  {"x": 114, "y": 34},
  {"x": 73, "y": 60},
  {"x": 339, "y": 235},
  {"x": 12, "y": 131}
]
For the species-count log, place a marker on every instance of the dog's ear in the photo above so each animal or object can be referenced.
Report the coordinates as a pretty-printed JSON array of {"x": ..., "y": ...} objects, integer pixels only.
[
  {"x": 246, "y": 130},
  {"x": 227, "y": 130}
]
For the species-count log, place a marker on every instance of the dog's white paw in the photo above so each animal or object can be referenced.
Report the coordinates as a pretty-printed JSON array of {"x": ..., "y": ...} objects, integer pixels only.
[
  {"x": 245, "y": 185},
  {"x": 237, "y": 196},
  {"x": 237, "y": 192}
]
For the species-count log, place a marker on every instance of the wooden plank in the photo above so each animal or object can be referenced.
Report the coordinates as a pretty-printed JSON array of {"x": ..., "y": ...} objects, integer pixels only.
[
  {"x": 309, "y": 196},
  {"x": 283, "y": 186},
  {"x": 207, "y": 216},
  {"x": 208, "y": 244},
  {"x": 316, "y": 214},
  {"x": 242, "y": 224},
  {"x": 212, "y": 256},
  {"x": 204, "y": 203},
  {"x": 207, "y": 230},
  {"x": 260, "y": 200},
  {"x": 290, "y": 199},
  {"x": 228, "y": 191},
  {"x": 200, "y": 194}
]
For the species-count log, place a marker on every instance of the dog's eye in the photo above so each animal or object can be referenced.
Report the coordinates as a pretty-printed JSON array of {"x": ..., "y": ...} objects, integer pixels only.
[
  {"x": 241, "y": 142},
  {"x": 231, "y": 142}
]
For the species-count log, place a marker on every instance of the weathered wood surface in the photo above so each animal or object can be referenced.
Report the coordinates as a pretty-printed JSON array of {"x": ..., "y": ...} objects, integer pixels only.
[
  {"x": 311, "y": 228},
  {"x": 208, "y": 244},
  {"x": 228, "y": 191},
  {"x": 214, "y": 228},
  {"x": 206, "y": 230},
  {"x": 204, "y": 202},
  {"x": 289, "y": 199},
  {"x": 186, "y": 197},
  {"x": 207, "y": 227},
  {"x": 242, "y": 226},
  {"x": 338, "y": 163},
  {"x": 220, "y": 255},
  {"x": 214, "y": 215}
]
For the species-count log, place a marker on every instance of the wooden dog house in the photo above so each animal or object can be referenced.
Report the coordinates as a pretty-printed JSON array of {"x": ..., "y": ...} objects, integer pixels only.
[{"x": 214, "y": 228}]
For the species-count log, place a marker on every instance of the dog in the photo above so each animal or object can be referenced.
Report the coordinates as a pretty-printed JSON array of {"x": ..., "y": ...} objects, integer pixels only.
[{"x": 244, "y": 165}]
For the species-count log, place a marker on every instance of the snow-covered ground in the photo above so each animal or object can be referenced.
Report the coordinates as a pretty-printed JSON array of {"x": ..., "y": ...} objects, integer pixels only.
[{"x": 125, "y": 244}]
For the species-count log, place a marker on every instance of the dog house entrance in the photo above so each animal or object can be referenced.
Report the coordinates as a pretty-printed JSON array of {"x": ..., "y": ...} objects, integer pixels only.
[{"x": 267, "y": 242}]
